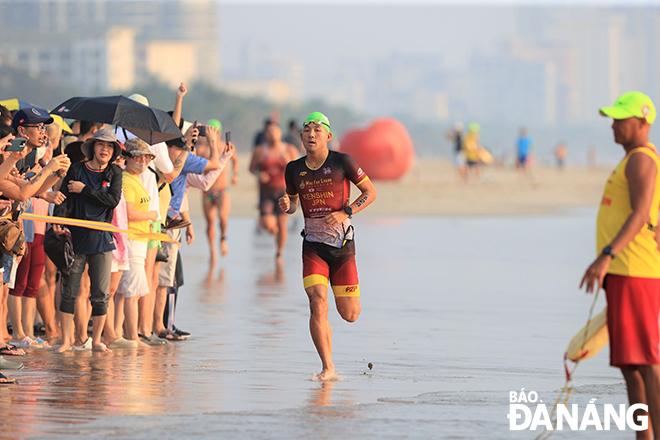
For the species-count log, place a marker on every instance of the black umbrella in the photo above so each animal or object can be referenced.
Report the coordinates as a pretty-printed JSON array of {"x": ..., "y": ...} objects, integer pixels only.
[{"x": 147, "y": 123}]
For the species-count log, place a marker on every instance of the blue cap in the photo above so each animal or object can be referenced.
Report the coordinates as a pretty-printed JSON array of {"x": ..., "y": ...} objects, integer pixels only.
[{"x": 30, "y": 115}]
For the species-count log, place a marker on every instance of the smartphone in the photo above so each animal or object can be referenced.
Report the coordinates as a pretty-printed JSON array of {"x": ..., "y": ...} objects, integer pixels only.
[
  {"x": 194, "y": 126},
  {"x": 202, "y": 130},
  {"x": 17, "y": 144},
  {"x": 228, "y": 137},
  {"x": 29, "y": 175}
]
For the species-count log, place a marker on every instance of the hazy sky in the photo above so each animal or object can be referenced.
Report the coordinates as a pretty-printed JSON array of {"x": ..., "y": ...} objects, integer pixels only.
[{"x": 325, "y": 37}]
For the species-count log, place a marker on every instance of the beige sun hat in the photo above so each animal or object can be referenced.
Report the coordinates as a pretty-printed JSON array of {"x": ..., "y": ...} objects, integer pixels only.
[
  {"x": 137, "y": 147},
  {"x": 103, "y": 134}
]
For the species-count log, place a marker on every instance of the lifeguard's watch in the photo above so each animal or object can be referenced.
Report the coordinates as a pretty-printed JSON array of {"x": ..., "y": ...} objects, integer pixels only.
[
  {"x": 348, "y": 210},
  {"x": 607, "y": 250}
]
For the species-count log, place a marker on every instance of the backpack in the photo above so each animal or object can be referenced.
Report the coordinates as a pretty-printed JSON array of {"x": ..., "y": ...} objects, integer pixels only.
[
  {"x": 59, "y": 249},
  {"x": 12, "y": 239}
]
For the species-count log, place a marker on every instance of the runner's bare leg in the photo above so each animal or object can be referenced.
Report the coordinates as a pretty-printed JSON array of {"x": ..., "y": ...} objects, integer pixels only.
[{"x": 320, "y": 329}]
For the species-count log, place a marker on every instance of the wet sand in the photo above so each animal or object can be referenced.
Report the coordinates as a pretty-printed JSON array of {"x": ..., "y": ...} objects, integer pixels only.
[
  {"x": 457, "y": 312},
  {"x": 432, "y": 188}
]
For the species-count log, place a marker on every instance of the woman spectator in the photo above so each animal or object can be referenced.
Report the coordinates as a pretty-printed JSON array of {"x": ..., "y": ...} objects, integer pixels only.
[
  {"x": 93, "y": 189},
  {"x": 134, "y": 282}
]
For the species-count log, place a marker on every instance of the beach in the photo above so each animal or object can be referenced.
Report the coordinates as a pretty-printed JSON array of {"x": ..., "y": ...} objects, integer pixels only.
[
  {"x": 433, "y": 189},
  {"x": 457, "y": 312}
]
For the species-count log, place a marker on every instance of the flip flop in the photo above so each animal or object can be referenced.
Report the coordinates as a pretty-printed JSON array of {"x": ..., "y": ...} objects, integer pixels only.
[
  {"x": 4, "y": 380},
  {"x": 166, "y": 334},
  {"x": 155, "y": 340},
  {"x": 10, "y": 350}
]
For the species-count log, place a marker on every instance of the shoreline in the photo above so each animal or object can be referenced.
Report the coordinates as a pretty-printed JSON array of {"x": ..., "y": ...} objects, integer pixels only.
[{"x": 432, "y": 188}]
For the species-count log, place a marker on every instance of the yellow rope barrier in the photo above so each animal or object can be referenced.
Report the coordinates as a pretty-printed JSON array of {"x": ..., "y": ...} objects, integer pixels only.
[{"x": 99, "y": 226}]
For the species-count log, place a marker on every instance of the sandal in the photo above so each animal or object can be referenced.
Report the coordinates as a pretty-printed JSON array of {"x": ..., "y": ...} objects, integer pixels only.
[
  {"x": 26, "y": 342},
  {"x": 4, "y": 380},
  {"x": 10, "y": 350},
  {"x": 166, "y": 334}
]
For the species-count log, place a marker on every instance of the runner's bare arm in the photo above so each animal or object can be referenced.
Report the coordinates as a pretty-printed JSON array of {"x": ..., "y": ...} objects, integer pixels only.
[
  {"x": 288, "y": 204},
  {"x": 366, "y": 198},
  {"x": 641, "y": 172},
  {"x": 234, "y": 168},
  {"x": 255, "y": 160}
]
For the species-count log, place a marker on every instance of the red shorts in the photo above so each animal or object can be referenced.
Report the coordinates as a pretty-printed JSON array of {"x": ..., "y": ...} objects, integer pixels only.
[
  {"x": 322, "y": 263},
  {"x": 28, "y": 274},
  {"x": 633, "y": 306}
]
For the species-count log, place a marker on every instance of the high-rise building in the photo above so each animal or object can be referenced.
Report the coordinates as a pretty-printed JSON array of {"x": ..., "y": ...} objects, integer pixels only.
[{"x": 110, "y": 45}]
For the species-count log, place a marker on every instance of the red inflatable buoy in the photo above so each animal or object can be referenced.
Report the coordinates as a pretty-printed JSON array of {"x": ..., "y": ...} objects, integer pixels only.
[{"x": 384, "y": 150}]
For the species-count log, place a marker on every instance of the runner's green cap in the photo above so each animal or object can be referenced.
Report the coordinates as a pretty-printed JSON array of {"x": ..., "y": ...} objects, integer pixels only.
[
  {"x": 629, "y": 105},
  {"x": 474, "y": 127},
  {"x": 215, "y": 123},
  {"x": 319, "y": 119}
]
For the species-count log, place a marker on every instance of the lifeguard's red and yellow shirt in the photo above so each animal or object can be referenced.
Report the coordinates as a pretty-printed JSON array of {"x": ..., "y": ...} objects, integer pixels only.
[
  {"x": 641, "y": 257},
  {"x": 324, "y": 190}
]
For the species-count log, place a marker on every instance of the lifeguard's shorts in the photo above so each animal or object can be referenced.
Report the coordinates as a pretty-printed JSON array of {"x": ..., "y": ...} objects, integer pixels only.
[
  {"x": 322, "y": 262},
  {"x": 633, "y": 306}
]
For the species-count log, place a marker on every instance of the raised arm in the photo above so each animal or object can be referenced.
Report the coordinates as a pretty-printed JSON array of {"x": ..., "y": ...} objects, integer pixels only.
[
  {"x": 214, "y": 154},
  {"x": 178, "y": 103}
]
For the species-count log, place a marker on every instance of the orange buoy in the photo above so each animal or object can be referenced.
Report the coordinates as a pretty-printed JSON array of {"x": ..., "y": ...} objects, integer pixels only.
[{"x": 383, "y": 150}]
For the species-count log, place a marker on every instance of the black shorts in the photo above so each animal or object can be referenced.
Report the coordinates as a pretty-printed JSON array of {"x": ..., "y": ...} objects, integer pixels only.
[{"x": 268, "y": 201}]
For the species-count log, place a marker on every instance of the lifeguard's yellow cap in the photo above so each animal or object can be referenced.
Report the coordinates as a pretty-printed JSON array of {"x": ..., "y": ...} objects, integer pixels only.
[{"x": 629, "y": 105}]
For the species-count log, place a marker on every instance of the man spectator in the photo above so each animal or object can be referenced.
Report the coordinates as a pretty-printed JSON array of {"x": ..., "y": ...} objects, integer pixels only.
[
  {"x": 628, "y": 263},
  {"x": 193, "y": 165}
]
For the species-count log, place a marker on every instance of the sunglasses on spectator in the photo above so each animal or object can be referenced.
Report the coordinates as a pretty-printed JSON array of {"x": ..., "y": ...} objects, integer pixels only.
[
  {"x": 38, "y": 127},
  {"x": 141, "y": 159}
]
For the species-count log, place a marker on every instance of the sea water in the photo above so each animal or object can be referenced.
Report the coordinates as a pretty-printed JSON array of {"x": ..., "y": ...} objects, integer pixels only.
[{"x": 456, "y": 313}]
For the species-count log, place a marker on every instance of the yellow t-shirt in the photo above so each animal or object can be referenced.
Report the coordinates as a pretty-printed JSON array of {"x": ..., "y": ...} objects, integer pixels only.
[
  {"x": 641, "y": 257},
  {"x": 134, "y": 192},
  {"x": 471, "y": 147}
]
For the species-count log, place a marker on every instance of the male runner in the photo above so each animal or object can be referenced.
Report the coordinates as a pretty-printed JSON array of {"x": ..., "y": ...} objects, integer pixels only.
[
  {"x": 322, "y": 182},
  {"x": 628, "y": 267},
  {"x": 217, "y": 198},
  {"x": 268, "y": 163}
]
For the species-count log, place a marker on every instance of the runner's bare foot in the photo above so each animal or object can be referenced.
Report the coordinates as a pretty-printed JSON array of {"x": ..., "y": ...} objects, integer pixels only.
[
  {"x": 64, "y": 347},
  {"x": 327, "y": 374},
  {"x": 224, "y": 250},
  {"x": 101, "y": 348}
]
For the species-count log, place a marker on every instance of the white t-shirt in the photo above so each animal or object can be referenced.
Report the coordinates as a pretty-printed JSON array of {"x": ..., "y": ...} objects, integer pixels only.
[{"x": 163, "y": 164}]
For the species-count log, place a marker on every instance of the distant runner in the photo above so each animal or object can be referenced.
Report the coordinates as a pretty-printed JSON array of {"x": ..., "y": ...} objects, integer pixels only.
[
  {"x": 218, "y": 200},
  {"x": 268, "y": 163},
  {"x": 322, "y": 182}
]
